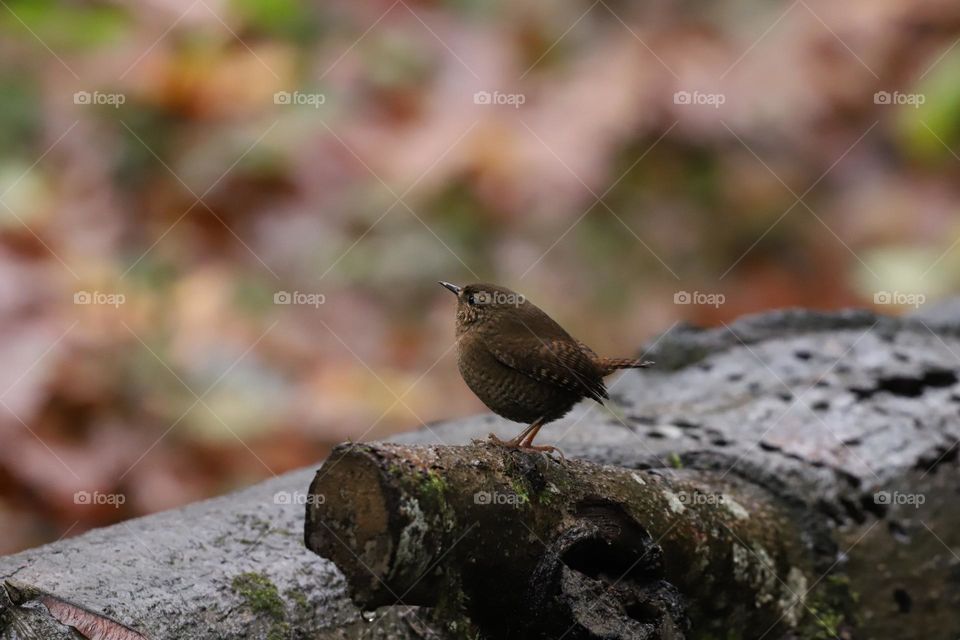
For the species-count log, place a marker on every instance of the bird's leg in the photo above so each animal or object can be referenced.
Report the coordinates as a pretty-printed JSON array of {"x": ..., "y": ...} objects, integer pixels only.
[
  {"x": 521, "y": 437},
  {"x": 531, "y": 433},
  {"x": 524, "y": 441},
  {"x": 527, "y": 442}
]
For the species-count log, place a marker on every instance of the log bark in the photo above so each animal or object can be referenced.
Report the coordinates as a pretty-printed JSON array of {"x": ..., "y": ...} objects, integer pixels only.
[{"x": 524, "y": 545}]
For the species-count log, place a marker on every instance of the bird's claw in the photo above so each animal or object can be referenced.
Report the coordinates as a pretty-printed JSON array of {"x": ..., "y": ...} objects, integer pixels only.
[
  {"x": 543, "y": 448},
  {"x": 513, "y": 442},
  {"x": 524, "y": 446}
]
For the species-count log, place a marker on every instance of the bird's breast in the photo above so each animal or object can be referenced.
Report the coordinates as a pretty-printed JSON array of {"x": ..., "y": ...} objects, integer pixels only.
[{"x": 506, "y": 391}]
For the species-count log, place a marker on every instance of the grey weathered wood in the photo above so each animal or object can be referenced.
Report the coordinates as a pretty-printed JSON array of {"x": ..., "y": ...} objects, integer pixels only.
[{"x": 822, "y": 410}]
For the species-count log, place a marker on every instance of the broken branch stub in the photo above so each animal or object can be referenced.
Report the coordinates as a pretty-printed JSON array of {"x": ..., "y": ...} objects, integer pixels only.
[{"x": 519, "y": 542}]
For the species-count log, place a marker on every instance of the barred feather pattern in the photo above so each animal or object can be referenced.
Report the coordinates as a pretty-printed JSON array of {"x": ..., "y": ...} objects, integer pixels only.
[{"x": 609, "y": 365}]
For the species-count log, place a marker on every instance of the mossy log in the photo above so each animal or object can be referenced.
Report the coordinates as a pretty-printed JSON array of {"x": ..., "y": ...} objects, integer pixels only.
[{"x": 525, "y": 545}]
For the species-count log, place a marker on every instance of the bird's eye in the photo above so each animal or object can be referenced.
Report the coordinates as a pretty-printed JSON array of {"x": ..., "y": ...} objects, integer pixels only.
[{"x": 472, "y": 298}]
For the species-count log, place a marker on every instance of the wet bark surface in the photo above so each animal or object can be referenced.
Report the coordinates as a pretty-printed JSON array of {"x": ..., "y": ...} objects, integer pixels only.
[{"x": 847, "y": 421}]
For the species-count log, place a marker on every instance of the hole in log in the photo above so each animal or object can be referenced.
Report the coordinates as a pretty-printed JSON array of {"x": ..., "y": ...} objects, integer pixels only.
[
  {"x": 870, "y": 505},
  {"x": 603, "y": 560},
  {"x": 908, "y": 386},
  {"x": 642, "y": 612},
  {"x": 903, "y": 600},
  {"x": 619, "y": 548},
  {"x": 604, "y": 576},
  {"x": 937, "y": 457}
]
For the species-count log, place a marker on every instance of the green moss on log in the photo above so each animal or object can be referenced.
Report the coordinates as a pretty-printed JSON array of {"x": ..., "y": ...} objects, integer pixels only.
[{"x": 262, "y": 596}]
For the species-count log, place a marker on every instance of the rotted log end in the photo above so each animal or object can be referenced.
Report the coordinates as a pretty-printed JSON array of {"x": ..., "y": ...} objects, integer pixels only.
[
  {"x": 364, "y": 517},
  {"x": 361, "y": 520}
]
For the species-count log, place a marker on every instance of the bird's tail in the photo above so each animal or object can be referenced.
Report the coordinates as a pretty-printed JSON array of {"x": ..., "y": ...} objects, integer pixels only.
[{"x": 610, "y": 365}]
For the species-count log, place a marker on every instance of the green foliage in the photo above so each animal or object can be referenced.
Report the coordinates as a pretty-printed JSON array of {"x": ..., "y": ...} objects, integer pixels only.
[
  {"x": 288, "y": 19},
  {"x": 19, "y": 115},
  {"x": 65, "y": 24},
  {"x": 932, "y": 129}
]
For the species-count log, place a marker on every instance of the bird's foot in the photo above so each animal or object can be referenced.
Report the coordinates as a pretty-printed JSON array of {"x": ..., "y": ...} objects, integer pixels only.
[
  {"x": 542, "y": 448},
  {"x": 523, "y": 445},
  {"x": 513, "y": 443}
]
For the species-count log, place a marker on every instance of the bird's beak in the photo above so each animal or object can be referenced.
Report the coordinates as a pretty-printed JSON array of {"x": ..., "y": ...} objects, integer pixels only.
[{"x": 452, "y": 287}]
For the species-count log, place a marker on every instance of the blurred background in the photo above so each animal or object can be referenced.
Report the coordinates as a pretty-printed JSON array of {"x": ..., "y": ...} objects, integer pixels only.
[{"x": 222, "y": 221}]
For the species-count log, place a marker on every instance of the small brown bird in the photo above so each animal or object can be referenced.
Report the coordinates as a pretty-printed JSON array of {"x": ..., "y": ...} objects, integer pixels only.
[{"x": 521, "y": 363}]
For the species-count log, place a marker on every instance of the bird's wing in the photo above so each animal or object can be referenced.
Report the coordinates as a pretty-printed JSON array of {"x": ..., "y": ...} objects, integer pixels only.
[{"x": 554, "y": 357}]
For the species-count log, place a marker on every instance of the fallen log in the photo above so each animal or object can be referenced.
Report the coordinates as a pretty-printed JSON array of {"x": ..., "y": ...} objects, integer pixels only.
[{"x": 523, "y": 545}]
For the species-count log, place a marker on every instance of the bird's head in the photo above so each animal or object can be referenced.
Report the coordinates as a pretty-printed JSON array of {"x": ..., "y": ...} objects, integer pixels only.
[{"x": 478, "y": 303}]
